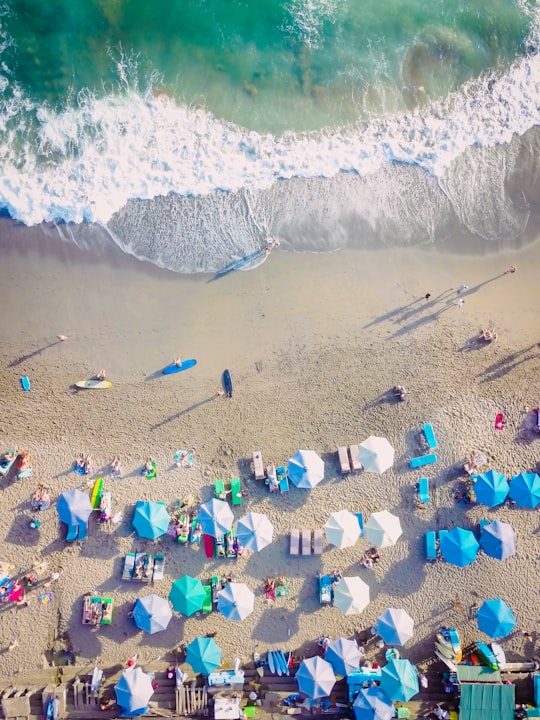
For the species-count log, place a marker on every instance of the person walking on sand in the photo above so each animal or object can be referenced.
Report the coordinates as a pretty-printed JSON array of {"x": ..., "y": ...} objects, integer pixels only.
[
  {"x": 510, "y": 270},
  {"x": 460, "y": 303}
]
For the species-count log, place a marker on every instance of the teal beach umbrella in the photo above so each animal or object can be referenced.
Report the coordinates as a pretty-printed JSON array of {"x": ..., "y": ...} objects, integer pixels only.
[
  {"x": 151, "y": 519},
  {"x": 203, "y": 655},
  {"x": 187, "y": 595}
]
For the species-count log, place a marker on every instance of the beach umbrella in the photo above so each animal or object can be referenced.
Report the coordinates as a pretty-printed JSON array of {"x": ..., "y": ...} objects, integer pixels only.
[
  {"x": 152, "y": 614},
  {"x": 134, "y": 690},
  {"x": 236, "y": 601},
  {"x": 458, "y": 546},
  {"x": 490, "y": 488},
  {"x": 203, "y": 655},
  {"x": 395, "y": 626},
  {"x": 343, "y": 655},
  {"x": 254, "y": 531},
  {"x": 74, "y": 507},
  {"x": 342, "y": 529},
  {"x": 187, "y": 595},
  {"x": 315, "y": 677},
  {"x": 305, "y": 469},
  {"x": 215, "y": 517},
  {"x": 495, "y": 618},
  {"x": 151, "y": 519},
  {"x": 351, "y": 595},
  {"x": 373, "y": 703},
  {"x": 498, "y": 540},
  {"x": 376, "y": 454},
  {"x": 525, "y": 490},
  {"x": 383, "y": 529},
  {"x": 399, "y": 680}
]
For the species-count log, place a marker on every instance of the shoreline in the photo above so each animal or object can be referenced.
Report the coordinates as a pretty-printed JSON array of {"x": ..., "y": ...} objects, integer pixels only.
[{"x": 314, "y": 344}]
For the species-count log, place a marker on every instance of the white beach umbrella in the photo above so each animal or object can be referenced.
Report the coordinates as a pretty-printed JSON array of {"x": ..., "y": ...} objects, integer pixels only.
[
  {"x": 215, "y": 517},
  {"x": 342, "y": 529},
  {"x": 383, "y": 529},
  {"x": 254, "y": 531},
  {"x": 236, "y": 601},
  {"x": 305, "y": 469},
  {"x": 351, "y": 595},
  {"x": 395, "y": 626},
  {"x": 376, "y": 454}
]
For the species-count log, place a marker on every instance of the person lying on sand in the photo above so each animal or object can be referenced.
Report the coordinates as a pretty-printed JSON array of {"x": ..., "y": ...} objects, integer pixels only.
[
  {"x": 116, "y": 466},
  {"x": 100, "y": 375}
]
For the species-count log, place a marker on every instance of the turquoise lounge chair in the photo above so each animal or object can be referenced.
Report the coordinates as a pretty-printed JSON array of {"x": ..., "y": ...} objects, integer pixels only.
[
  {"x": 423, "y": 490},
  {"x": 83, "y": 532},
  {"x": 431, "y": 545},
  {"x": 283, "y": 480},
  {"x": 422, "y": 460},
  {"x": 325, "y": 590},
  {"x": 73, "y": 531},
  {"x": 430, "y": 436}
]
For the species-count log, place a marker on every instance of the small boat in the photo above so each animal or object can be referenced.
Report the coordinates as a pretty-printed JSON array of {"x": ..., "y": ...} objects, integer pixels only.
[{"x": 487, "y": 655}]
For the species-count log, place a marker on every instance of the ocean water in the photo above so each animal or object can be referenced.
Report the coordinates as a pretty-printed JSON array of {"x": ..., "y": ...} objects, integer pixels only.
[{"x": 188, "y": 132}]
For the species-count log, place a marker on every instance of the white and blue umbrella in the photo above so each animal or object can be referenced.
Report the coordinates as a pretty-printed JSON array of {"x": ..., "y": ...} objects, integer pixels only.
[
  {"x": 498, "y": 540},
  {"x": 495, "y": 618},
  {"x": 399, "y": 680},
  {"x": 151, "y": 519},
  {"x": 373, "y": 703},
  {"x": 315, "y": 678},
  {"x": 215, "y": 517},
  {"x": 74, "y": 507},
  {"x": 236, "y": 601},
  {"x": 395, "y": 626},
  {"x": 490, "y": 488},
  {"x": 152, "y": 614},
  {"x": 376, "y": 454},
  {"x": 351, "y": 595},
  {"x": 343, "y": 655},
  {"x": 458, "y": 546},
  {"x": 305, "y": 469},
  {"x": 342, "y": 529},
  {"x": 383, "y": 529},
  {"x": 134, "y": 690},
  {"x": 525, "y": 490},
  {"x": 254, "y": 531}
]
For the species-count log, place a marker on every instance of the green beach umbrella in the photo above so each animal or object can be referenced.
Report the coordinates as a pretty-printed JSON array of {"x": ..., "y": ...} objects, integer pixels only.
[{"x": 187, "y": 595}]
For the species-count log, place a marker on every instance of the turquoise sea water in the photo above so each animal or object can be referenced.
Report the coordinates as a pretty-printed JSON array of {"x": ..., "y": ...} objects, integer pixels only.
[{"x": 189, "y": 131}]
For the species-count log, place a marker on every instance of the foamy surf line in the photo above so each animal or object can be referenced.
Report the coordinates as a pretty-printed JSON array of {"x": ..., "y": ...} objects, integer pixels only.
[{"x": 87, "y": 163}]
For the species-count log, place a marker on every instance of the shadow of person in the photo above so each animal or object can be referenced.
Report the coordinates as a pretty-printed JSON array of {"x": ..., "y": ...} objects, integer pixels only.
[{"x": 32, "y": 354}]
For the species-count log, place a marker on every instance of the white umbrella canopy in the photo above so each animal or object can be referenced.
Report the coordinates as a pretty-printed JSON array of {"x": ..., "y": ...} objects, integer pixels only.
[
  {"x": 383, "y": 529},
  {"x": 254, "y": 531},
  {"x": 395, "y": 626},
  {"x": 236, "y": 601},
  {"x": 216, "y": 517},
  {"x": 351, "y": 595},
  {"x": 376, "y": 454},
  {"x": 342, "y": 529},
  {"x": 305, "y": 469}
]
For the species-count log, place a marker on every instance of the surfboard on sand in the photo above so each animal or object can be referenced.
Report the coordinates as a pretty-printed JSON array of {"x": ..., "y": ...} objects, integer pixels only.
[
  {"x": 499, "y": 655},
  {"x": 271, "y": 662},
  {"x": 93, "y": 384},
  {"x": 227, "y": 383},
  {"x": 25, "y": 382},
  {"x": 173, "y": 368},
  {"x": 96, "y": 494},
  {"x": 449, "y": 663}
]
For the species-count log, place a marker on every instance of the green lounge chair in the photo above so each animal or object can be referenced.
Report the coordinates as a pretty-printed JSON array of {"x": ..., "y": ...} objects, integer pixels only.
[
  {"x": 236, "y": 491},
  {"x": 106, "y": 611},
  {"x": 219, "y": 490},
  {"x": 207, "y": 606}
]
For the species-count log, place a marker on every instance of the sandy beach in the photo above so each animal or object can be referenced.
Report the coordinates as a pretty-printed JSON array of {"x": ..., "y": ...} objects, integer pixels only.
[{"x": 314, "y": 344}]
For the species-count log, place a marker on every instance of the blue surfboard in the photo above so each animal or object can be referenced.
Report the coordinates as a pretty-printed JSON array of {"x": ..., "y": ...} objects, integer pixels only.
[
  {"x": 227, "y": 383},
  {"x": 25, "y": 382},
  {"x": 240, "y": 263},
  {"x": 173, "y": 368}
]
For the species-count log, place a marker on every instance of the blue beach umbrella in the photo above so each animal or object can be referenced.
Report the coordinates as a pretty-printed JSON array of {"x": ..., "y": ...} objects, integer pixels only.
[
  {"x": 395, "y": 626},
  {"x": 525, "y": 490},
  {"x": 305, "y": 469},
  {"x": 134, "y": 690},
  {"x": 187, "y": 595},
  {"x": 315, "y": 678},
  {"x": 236, "y": 601},
  {"x": 458, "y": 546},
  {"x": 495, "y": 618},
  {"x": 399, "y": 680},
  {"x": 498, "y": 540},
  {"x": 151, "y": 519},
  {"x": 152, "y": 614},
  {"x": 203, "y": 655},
  {"x": 215, "y": 517},
  {"x": 74, "y": 507},
  {"x": 491, "y": 488},
  {"x": 343, "y": 655},
  {"x": 373, "y": 704}
]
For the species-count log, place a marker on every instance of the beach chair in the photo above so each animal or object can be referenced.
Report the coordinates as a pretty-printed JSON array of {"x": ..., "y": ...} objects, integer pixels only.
[
  {"x": 258, "y": 467},
  {"x": 294, "y": 547},
  {"x": 86, "y": 611},
  {"x": 220, "y": 546},
  {"x": 236, "y": 491},
  {"x": 354, "y": 453},
  {"x": 422, "y": 460},
  {"x": 216, "y": 586},
  {"x": 271, "y": 478},
  {"x": 230, "y": 548},
  {"x": 317, "y": 541},
  {"x": 83, "y": 532},
  {"x": 430, "y": 436},
  {"x": 283, "y": 480},
  {"x": 195, "y": 531},
  {"x": 183, "y": 529},
  {"x": 106, "y": 611},
  {"x": 325, "y": 590},
  {"x": 360, "y": 519},
  {"x": 207, "y": 605},
  {"x": 219, "y": 490},
  {"x": 343, "y": 460},
  {"x": 73, "y": 531},
  {"x": 105, "y": 506},
  {"x": 129, "y": 566},
  {"x": 305, "y": 536},
  {"x": 431, "y": 545},
  {"x": 423, "y": 490},
  {"x": 159, "y": 568}
]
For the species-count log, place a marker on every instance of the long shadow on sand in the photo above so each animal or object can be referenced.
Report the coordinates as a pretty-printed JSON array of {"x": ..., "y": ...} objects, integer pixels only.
[
  {"x": 34, "y": 353},
  {"x": 185, "y": 411},
  {"x": 276, "y": 624},
  {"x": 502, "y": 367}
]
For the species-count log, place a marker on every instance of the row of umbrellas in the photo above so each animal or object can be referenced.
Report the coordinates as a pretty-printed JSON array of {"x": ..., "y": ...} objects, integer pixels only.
[
  {"x": 492, "y": 488},
  {"x": 460, "y": 547}
]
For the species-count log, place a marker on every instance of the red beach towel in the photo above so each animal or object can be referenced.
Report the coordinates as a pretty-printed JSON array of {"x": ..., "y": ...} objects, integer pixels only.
[{"x": 500, "y": 422}]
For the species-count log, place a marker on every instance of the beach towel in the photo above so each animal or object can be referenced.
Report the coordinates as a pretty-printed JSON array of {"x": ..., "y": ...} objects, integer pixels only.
[
  {"x": 183, "y": 458},
  {"x": 500, "y": 422}
]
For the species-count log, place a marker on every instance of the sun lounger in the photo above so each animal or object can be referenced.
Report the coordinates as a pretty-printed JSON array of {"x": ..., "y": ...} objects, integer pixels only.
[
  {"x": 83, "y": 532},
  {"x": 183, "y": 529},
  {"x": 258, "y": 467},
  {"x": 423, "y": 490},
  {"x": 360, "y": 519},
  {"x": 294, "y": 547},
  {"x": 92, "y": 610},
  {"x": 343, "y": 460},
  {"x": 317, "y": 542},
  {"x": 73, "y": 531},
  {"x": 216, "y": 586},
  {"x": 195, "y": 531},
  {"x": 431, "y": 545},
  {"x": 5, "y": 468},
  {"x": 271, "y": 478},
  {"x": 230, "y": 550},
  {"x": 236, "y": 491},
  {"x": 422, "y": 460},
  {"x": 129, "y": 566},
  {"x": 219, "y": 490},
  {"x": 87, "y": 611},
  {"x": 138, "y": 566},
  {"x": 105, "y": 506},
  {"x": 159, "y": 568},
  {"x": 106, "y": 611},
  {"x": 354, "y": 454},
  {"x": 220, "y": 546},
  {"x": 306, "y": 541},
  {"x": 282, "y": 479},
  {"x": 207, "y": 606},
  {"x": 430, "y": 436},
  {"x": 325, "y": 590}
]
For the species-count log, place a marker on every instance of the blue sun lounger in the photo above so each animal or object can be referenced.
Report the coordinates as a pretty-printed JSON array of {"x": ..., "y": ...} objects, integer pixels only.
[
  {"x": 73, "y": 531},
  {"x": 83, "y": 532},
  {"x": 423, "y": 490},
  {"x": 431, "y": 545},
  {"x": 422, "y": 460},
  {"x": 430, "y": 436}
]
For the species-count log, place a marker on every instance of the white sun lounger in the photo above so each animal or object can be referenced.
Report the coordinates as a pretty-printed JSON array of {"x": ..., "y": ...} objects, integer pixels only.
[
  {"x": 258, "y": 466},
  {"x": 343, "y": 460},
  {"x": 306, "y": 542},
  {"x": 295, "y": 542},
  {"x": 354, "y": 453}
]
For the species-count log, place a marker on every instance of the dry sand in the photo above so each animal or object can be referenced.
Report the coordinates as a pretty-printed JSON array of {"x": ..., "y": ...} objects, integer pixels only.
[{"x": 314, "y": 343}]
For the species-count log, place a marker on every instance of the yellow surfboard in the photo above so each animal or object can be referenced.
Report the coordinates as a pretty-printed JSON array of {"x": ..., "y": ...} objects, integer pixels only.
[
  {"x": 93, "y": 384},
  {"x": 96, "y": 494}
]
